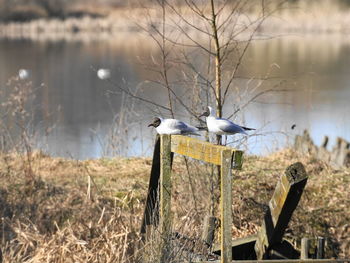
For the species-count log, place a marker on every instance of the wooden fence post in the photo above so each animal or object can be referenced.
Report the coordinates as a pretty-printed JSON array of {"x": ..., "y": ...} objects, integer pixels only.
[
  {"x": 165, "y": 194},
  {"x": 226, "y": 206},
  {"x": 304, "y": 251},
  {"x": 320, "y": 247},
  {"x": 151, "y": 214},
  {"x": 209, "y": 230}
]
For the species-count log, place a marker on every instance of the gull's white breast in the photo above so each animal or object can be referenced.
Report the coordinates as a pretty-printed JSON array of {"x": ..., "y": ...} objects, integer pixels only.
[{"x": 212, "y": 125}]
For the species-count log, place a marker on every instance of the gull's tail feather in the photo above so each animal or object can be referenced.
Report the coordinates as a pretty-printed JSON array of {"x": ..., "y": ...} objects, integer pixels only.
[
  {"x": 202, "y": 128},
  {"x": 248, "y": 129}
]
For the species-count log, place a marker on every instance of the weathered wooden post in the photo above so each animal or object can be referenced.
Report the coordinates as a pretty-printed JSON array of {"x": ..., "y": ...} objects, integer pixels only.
[
  {"x": 340, "y": 155},
  {"x": 226, "y": 206},
  {"x": 320, "y": 247},
  {"x": 281, "y": 207},
  {"x": 151, "y": 214},
  {"x": 165, "y": 194},
  {"x": 305, "y": 246}
]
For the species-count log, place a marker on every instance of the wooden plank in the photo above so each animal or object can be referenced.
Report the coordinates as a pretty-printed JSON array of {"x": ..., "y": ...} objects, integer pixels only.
[
  {"x": 242, "y": 248},
  {"x": 243, "y": 240},
  {"x": 285, "y": 261},
  {"x": 203, "y": 151},
  {"x": 283, "y": 250},
  {"x": 281, "y": 207},
  {"x": 226, "y": 206},
  {"x": 165, "y": 194},
  {"x": 283, "y": 203}
]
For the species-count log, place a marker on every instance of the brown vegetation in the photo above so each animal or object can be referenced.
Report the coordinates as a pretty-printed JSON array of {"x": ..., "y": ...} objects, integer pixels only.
[
  {"x": 303, "y": 16},
  {"x": 90, "y": 211},
  {"x": 29, "y": 10}
]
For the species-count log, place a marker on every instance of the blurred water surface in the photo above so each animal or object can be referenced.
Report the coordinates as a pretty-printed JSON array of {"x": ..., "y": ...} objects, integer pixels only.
[{"x": 316, "y": 70}]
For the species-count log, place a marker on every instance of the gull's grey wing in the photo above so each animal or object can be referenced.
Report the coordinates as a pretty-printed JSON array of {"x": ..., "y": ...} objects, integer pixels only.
[
  {"x": 183, "y": 127},
  {"x": 180, "y": 125},
  {"x": 186, "y": 128},
  {"x": 228, "y": 126}
]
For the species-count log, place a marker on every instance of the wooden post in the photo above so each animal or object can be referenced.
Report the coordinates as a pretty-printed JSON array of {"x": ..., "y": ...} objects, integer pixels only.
[
  {"x": 320, "y": 247},
  {"x": 281, "y": 207},
  {"x": 325, "y": 142},
  {"x": 209, "y": 230},
  {"x": 151, "y": 214},
  {"x": 165, "y": 194},
  {"x": 305, "y": 244},
  {"x": 226, "y": 206}
]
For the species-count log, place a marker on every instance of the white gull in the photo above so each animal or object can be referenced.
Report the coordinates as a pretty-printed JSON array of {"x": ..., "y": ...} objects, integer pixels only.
[
  {"x": 173, "y": 126},
  {"x": 222, "y": 126}
]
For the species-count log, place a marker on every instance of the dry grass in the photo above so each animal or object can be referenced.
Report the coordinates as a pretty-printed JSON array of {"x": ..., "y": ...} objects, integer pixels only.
[
  {"x": 90, "y": 211},
  {"x": 29, "y": 10}
]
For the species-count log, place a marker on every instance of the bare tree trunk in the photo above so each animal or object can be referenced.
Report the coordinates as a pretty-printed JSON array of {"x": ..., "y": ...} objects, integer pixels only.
[
  {"x": 164, "y": 60},
  {"x": 217, "y": 62}
]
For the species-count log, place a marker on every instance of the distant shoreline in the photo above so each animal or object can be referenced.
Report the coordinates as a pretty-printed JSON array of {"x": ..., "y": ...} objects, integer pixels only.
[
  {"x": 126, "y": 21},
  {"x": 55, "y": 29}
]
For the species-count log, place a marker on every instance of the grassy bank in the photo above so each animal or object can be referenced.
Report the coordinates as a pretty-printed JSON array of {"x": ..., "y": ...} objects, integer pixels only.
[{"x": 90, "y": 211}]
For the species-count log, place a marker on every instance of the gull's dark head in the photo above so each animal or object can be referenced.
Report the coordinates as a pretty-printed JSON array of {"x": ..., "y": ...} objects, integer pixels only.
[
  {"x": 156, "y": 122},
  {"x": 206, "y": 113}
]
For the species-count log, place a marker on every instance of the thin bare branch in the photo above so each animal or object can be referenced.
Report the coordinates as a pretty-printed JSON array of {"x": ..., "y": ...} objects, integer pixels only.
[
  {"x": 259, "y": 94},
  {"x": 186, "y": 21},
  {"x": 240, "y": 59},
  {"x": 192, "y": 5}
]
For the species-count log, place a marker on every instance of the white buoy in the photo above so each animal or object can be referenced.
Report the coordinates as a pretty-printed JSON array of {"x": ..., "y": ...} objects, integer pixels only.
[
  {"x": 23, "y": 73},
  {"x": 103, "y": 73}
]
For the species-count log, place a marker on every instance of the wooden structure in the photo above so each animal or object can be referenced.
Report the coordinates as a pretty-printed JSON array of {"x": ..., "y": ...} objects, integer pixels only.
[
  {"x": 281, "y": 207},
  {"x": 269, "y": 243},
  {"x": 338, "y": 157},
  {"x": 226, "y": 157}
]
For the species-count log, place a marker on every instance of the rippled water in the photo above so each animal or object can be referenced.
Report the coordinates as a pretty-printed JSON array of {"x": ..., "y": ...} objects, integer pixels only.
[{"x": 316, "y": 70}]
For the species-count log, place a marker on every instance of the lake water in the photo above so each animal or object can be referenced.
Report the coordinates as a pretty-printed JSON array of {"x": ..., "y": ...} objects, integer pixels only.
[{"x": 89, "y": 124}]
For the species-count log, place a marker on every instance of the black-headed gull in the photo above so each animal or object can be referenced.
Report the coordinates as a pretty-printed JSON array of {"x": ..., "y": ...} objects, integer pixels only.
[
  {"x": 173, "y": 126},
  {"x": 222, "y": 126}
]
